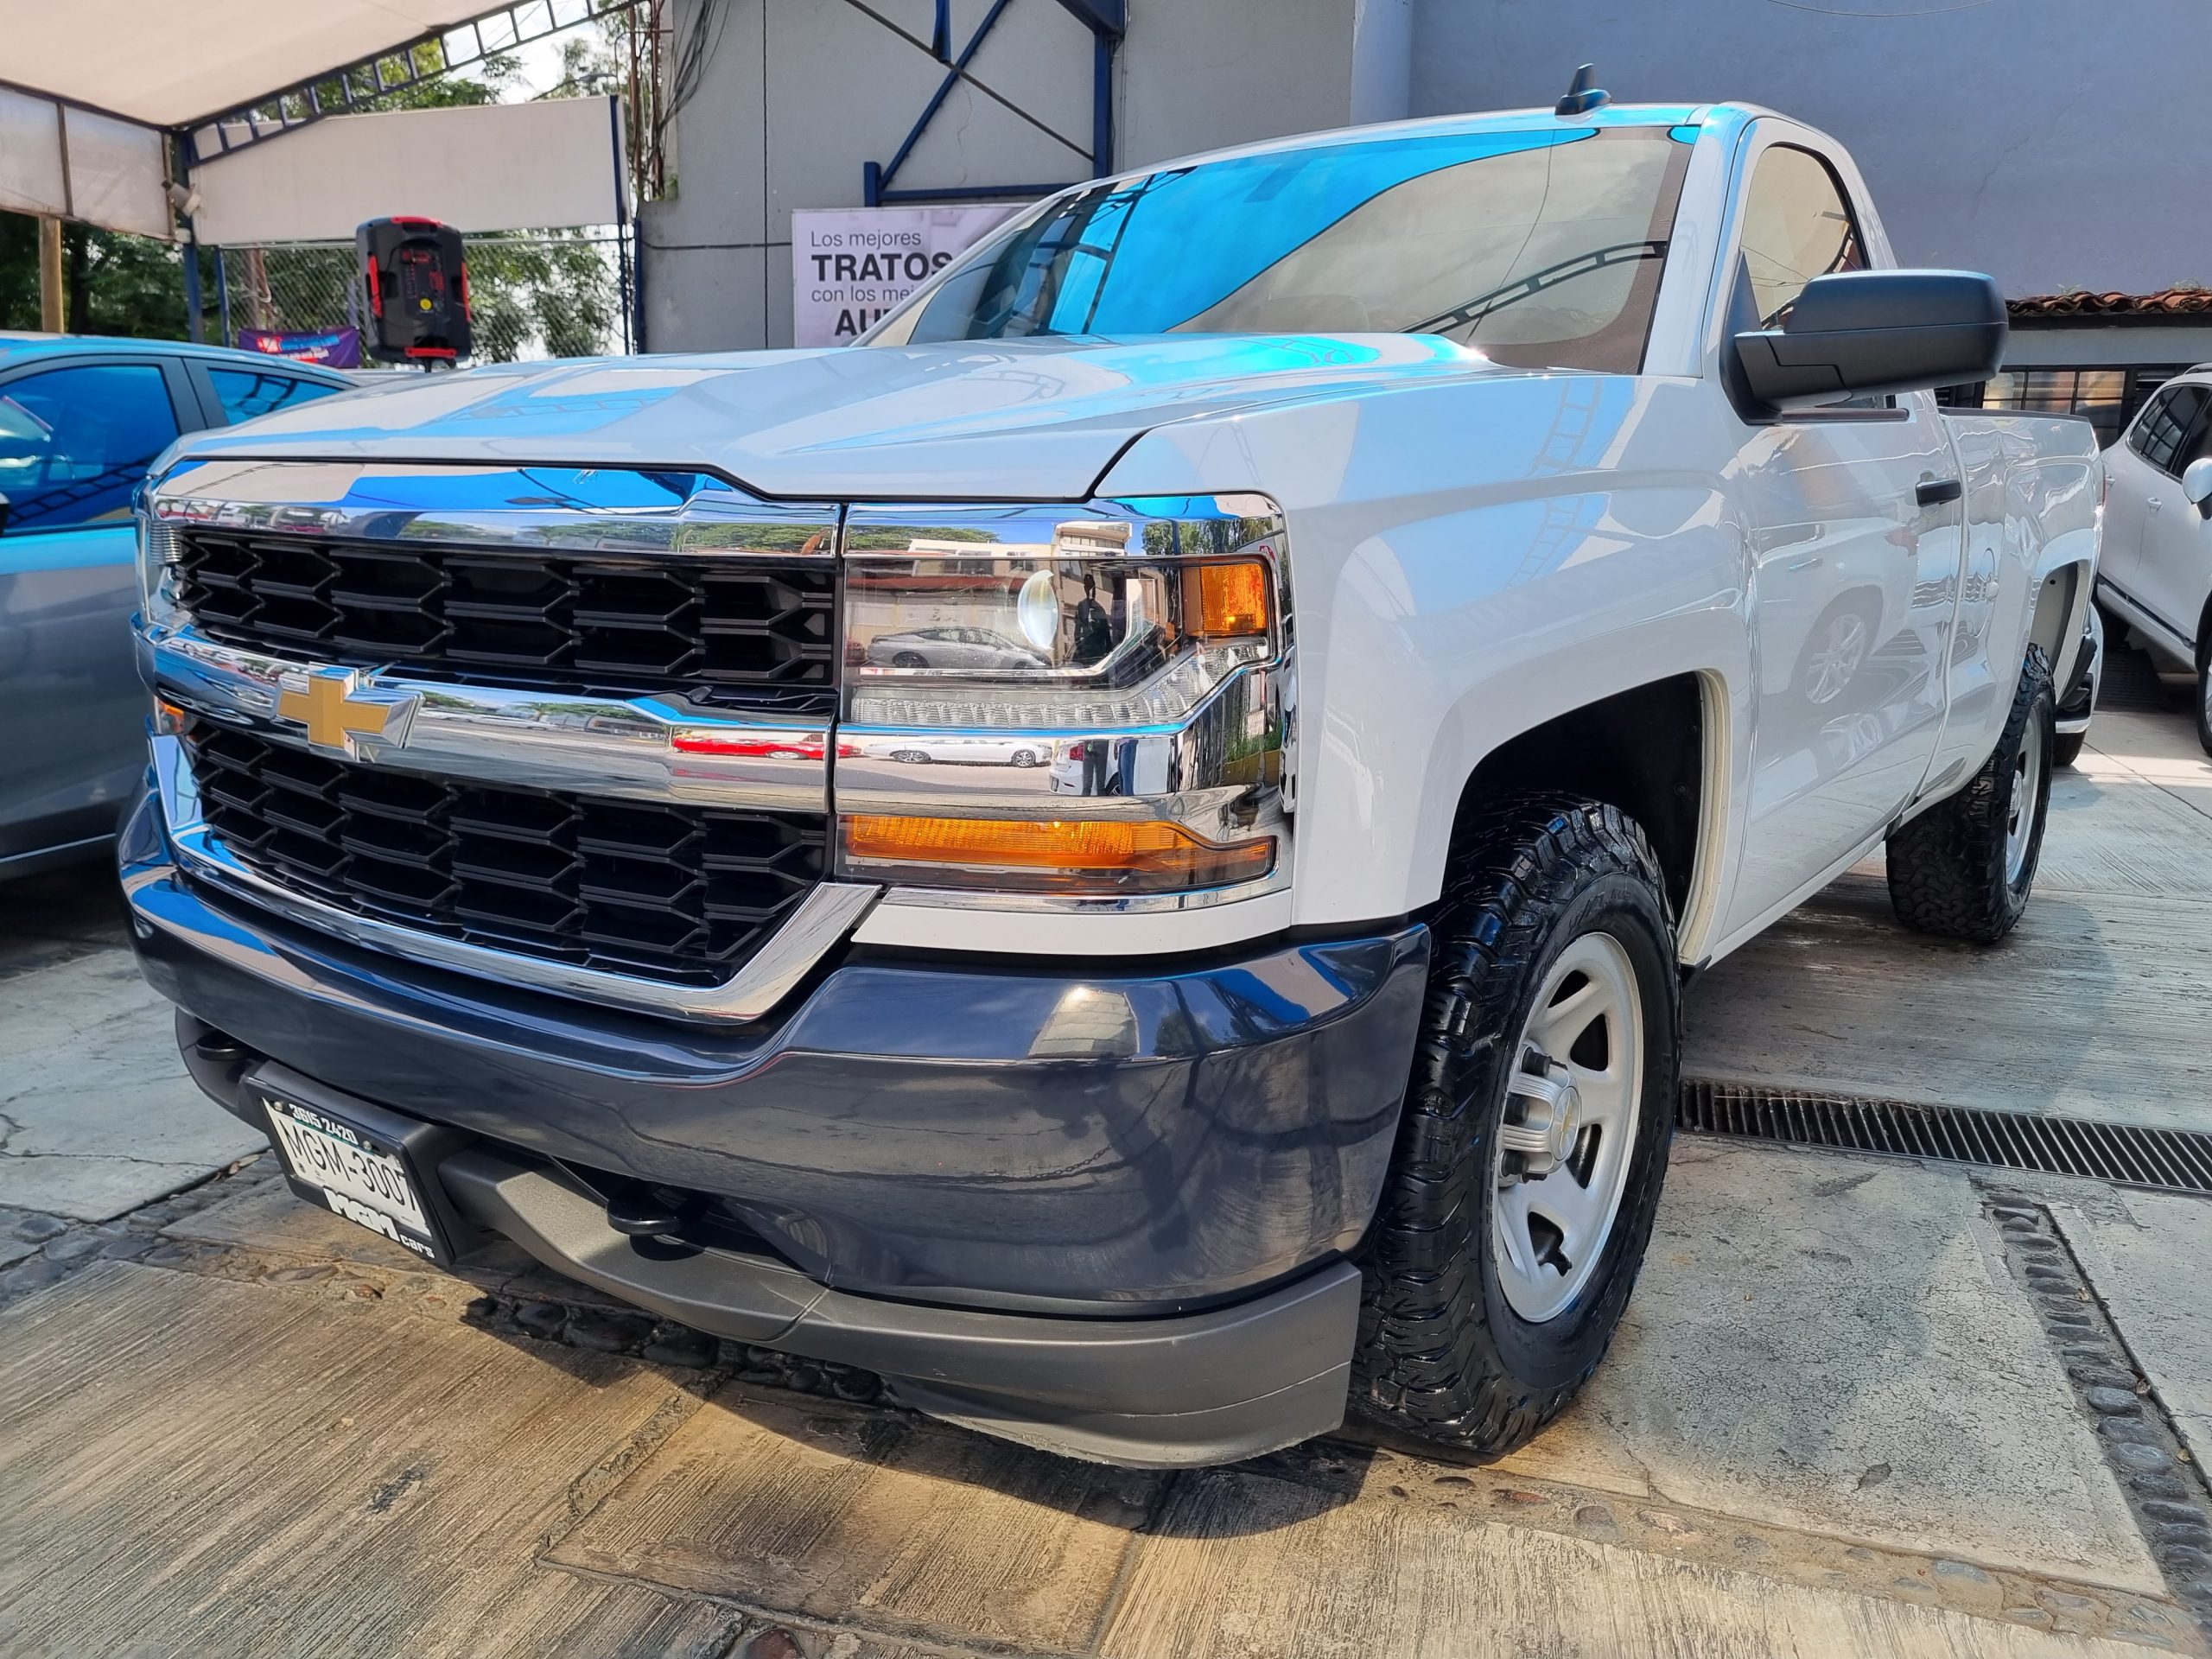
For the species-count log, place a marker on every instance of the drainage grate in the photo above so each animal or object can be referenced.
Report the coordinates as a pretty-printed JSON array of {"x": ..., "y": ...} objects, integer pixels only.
[{"x": 2171, "y": 1160}]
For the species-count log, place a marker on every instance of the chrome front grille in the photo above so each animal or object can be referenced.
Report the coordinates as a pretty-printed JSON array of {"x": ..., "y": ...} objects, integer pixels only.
[
  {"x": 521, "y": 616},
  {"x": 684, "y": 895}
]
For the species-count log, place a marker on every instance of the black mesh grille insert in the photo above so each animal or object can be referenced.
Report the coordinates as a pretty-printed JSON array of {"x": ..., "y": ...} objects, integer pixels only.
[
  {"x": 702, "y": 619},
  {"x": 678, "y": 894}
]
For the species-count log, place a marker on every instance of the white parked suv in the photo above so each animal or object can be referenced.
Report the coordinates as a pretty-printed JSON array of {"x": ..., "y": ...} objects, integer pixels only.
[
  {"x": 2157, "y": 573},
  {"x": 1480, "y": 571}
]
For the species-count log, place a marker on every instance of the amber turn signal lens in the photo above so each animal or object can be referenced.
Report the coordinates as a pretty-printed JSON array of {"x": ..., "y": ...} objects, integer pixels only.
[
  {"x": 1232, "y": 599},
  {"x": 1102, "y": 856},
  {"x": 169, "y": 719}
]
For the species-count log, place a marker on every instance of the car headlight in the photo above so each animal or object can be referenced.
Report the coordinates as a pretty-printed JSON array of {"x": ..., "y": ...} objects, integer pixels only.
[
  {"x": 1088, "y": 701},
  {"x": 157, "y": 575}
]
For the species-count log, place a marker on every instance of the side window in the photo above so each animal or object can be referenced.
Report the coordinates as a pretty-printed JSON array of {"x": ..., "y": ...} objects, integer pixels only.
[
  {"x": 1796, "y": 226},
  {"x": 2167, "y": 421},
  {"x": 245, "y": 393},
  {"x": 2198, "y": 444},
  {"x": 75, "y": 442}
]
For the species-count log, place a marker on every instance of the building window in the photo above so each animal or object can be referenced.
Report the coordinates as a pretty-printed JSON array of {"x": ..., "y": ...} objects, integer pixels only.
[{"x": 2108, "y": 399}]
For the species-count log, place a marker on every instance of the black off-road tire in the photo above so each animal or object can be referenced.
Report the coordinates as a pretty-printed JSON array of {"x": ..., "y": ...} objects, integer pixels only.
[
  {"x": 1948, "y": 873},
  {"x": 1445, "y": 1365},
  {"x": 2204, "y": 688},
  {"x": 2066, "y": 749}
]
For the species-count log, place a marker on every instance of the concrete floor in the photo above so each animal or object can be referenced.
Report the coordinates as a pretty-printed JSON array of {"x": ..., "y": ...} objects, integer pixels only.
[
  {"x": 2097, "y": 1006},
  {"x": 96, "y": 1116},
  {"x": 1854, "y": 1409}
]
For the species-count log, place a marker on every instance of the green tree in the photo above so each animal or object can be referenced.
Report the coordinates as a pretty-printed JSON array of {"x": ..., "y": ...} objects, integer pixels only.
[{"x": 113, "y": 283}]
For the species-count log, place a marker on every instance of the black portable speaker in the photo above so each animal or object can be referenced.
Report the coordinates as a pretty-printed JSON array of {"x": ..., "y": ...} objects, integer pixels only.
[{"x": 417, "y": 281}]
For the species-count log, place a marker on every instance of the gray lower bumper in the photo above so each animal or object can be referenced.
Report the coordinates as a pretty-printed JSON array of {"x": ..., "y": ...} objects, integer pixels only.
[{"x": 1203, "y": 1388}]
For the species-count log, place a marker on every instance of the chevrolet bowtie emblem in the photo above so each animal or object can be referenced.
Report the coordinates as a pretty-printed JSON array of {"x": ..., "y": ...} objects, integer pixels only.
[{"x": 337, "y": 712}]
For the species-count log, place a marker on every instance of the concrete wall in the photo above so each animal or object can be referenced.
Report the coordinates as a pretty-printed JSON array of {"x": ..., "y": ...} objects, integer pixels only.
[
  {"x": 2047, "y": 143},
  {"x": 1201, "y": 74},
  {"x": 2030, "y": 138},
  {"x": 796, "y": 95}
]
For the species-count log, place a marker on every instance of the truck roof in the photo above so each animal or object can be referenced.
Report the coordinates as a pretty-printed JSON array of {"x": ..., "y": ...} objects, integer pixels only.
[{"x": 1610, "y": 115}]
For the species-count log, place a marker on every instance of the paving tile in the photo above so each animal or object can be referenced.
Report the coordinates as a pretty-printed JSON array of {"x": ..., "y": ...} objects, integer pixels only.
[
  {"x": 68, "y": 912},
  {"x": 1830, "y": 1345},
  {"x": 98, "y": 1113},
  {"x": 555, "y": 1615},
  {"x": 195, "y": 1465},
  {"x": 1244, "y": 1567},
  {"x": 267, "y": 1219},
  {"x": 2111, "y": 829},
  {"x": 270, "y": 1219},
  {"x": 842, "y": 1514},
  {"x": 2149, "y": 1257},
  {"x": 2160, "y": 749}
]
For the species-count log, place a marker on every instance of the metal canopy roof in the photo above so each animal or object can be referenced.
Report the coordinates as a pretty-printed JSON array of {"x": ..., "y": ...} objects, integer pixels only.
[{"x": 170, "y": 64}]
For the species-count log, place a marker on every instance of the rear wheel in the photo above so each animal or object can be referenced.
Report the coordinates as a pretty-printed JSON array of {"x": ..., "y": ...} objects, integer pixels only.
[
  {"x": 2204, "y": 690},
  {"x": 1963, "y": 869},
  {"x": 1534, "y": 1134}
]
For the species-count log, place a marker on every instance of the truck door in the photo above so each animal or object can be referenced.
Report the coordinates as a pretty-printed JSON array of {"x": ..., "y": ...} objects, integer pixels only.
[{"x": 1853, "y": 525}]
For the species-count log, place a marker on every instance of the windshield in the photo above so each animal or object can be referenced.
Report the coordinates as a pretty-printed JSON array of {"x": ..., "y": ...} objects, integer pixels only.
[{"x": 1541, "y": 249}]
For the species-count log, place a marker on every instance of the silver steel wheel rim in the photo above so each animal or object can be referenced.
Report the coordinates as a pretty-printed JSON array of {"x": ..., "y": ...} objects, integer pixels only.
[
  {"x": 2027, "y": 787},
  {"x": 1837, "y": 661},
  {"x": 1571, "y": 1108}
]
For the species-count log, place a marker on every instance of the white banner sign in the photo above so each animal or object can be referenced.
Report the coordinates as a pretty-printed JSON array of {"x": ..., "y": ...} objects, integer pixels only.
[
  {"x": 849, "y": 265},
  {"x": 477, "y": 166}
]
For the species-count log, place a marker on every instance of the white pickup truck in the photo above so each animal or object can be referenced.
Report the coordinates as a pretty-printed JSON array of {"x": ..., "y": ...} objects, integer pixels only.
[{"x": 1443, "y": 585}]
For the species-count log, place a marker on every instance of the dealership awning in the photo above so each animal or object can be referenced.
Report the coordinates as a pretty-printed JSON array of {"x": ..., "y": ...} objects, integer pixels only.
[
  {"x": 173, "y": 63},
  {"x": 93, "y": 91}
]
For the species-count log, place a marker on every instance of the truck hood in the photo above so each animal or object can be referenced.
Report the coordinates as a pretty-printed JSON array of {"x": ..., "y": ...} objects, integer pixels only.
[{"x": 1040, "y": 420}]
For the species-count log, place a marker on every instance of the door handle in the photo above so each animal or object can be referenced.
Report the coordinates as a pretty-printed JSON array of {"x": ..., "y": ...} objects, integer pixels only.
[
  {"x": 1934, "y": 492},
  {"x": 2152, "y": 504}
]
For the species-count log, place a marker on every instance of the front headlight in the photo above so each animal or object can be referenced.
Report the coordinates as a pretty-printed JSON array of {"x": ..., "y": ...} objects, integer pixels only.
[
  {"x": 157, "y": 575},
  {"x": 1088, "y": 701}
]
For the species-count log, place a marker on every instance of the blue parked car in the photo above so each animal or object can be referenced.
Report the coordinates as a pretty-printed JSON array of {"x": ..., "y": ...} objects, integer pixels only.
[{"x": 81, "y": 418}]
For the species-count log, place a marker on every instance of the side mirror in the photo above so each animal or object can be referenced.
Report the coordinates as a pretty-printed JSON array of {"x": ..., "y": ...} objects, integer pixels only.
[
  {"x": 2196, "y": 484},
  {"x": 1877, "y": 331}
]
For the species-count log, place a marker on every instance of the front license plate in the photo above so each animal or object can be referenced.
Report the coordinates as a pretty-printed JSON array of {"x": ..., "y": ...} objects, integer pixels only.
[{"x": 360, "y": 1176}]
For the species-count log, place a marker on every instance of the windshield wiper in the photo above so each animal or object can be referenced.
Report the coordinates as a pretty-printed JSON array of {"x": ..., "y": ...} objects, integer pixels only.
[{"x": 1620, "y": 253}]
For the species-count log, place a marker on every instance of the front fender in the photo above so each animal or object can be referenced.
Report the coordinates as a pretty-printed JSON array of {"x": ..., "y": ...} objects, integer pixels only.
[{"x": 1467, "y": 562}]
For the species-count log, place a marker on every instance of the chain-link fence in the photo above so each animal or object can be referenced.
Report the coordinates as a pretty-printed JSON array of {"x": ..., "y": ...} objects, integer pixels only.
[{"x": 531, "y": 296}]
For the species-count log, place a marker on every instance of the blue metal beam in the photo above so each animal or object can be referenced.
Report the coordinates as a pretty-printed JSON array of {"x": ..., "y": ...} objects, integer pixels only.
[
  {"x": 1102, "y": 103},
  {"x": 1108, "y": 22},
  {"x": 1108, "y": 19},
  {"x": 875, "y": 180}
]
